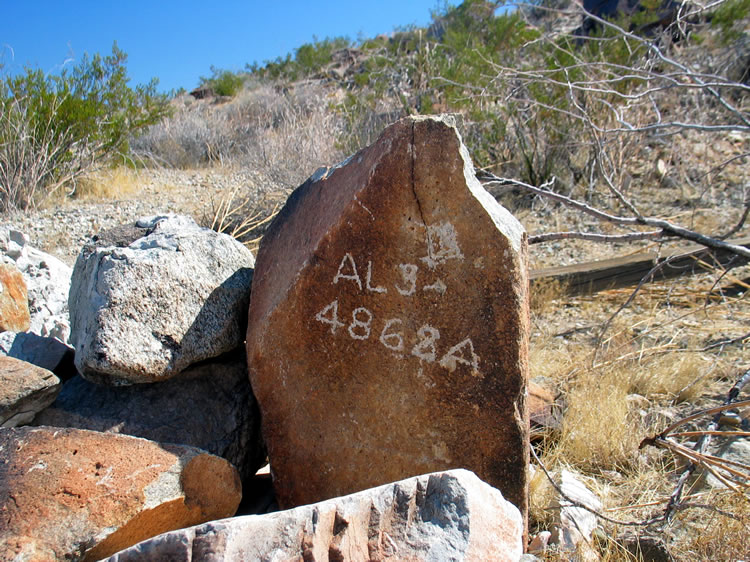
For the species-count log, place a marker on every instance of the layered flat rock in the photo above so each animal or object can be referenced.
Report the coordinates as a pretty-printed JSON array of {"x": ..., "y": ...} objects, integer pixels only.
[
  {"x": 150, "y": 299},
  {"x": 14, "y": 300},
  {"x": 209, "y": 406},
  {"x": 443, "y": 516},
  {"x": 25, "y": 390},
  {"x": 388, "y": 325},
  {"x": 73, "y": 494}
]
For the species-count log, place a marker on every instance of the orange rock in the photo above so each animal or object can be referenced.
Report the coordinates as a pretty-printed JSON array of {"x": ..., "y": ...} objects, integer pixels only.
[
  {"x": 14, "y": 301},
  {"x": 388, "y": 324},
  {"x": 71, "y": 493}
]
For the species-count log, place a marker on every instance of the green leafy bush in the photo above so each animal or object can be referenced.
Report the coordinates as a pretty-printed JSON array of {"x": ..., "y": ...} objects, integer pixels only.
[
  {"x": 727, "y": 15},
  {"x": 308, "y": 59},
  {"x": 223, "y": 82},
  {"x": 53, "y": 129}
]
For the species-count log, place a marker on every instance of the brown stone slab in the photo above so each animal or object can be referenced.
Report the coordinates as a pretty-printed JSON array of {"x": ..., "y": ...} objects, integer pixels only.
[{"x": 388, "y": 325}]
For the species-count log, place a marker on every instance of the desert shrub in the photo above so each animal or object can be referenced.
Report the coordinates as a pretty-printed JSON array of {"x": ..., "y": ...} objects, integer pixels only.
[
  {"x": 54, "y": 129},
  {"x": 286, "y": 133},
  {"x": 195, "y": 134},
  {"x": 308, "y": 60},
  {"x": 223, "y": 82},
  {"x": 727, "y": 15}
]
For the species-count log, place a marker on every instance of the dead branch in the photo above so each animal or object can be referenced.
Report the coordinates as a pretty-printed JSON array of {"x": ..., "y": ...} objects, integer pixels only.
[
  {"x": 666, "y": 228},
  {"x": 575, "y": 503},
  {"x": 698, "y": 457},
  {"x": 595, "y": 237}
]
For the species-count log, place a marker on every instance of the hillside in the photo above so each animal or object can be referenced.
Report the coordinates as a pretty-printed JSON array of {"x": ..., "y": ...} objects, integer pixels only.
[{"x": 635, "y": 137}]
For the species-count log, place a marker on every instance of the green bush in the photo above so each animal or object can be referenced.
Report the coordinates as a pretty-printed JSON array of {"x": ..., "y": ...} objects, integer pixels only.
[
  {"x": 308, "y": 59},
  {"x": 223, "y": 82},
  {"x": 53, "y": 129},
  {"x": 727, "y": 15}
]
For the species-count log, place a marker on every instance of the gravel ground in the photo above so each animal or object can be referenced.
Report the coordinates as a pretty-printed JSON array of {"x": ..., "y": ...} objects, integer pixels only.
[{"x": 62, "y": 229}]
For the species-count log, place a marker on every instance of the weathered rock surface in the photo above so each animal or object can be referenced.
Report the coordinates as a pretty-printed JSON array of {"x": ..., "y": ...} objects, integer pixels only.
[
  {"x": 47, "y": 281},
  {"x": 25, "y": 390},
  {"x": 210, "y": 406},
  {"x": 14, "y": 300},
  {"x": 150, "y": 299},
  {"x": 72, "y": 494},
  {"x": 443, "y": 516},
  {"x": 730, "y": 449},
  {"x": 388, "y": 326}
]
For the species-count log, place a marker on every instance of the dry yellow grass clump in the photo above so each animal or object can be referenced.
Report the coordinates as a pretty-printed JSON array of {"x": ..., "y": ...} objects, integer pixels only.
[
  {"x": 626, "y": 377},
  {"x": 109, "y": 183}
]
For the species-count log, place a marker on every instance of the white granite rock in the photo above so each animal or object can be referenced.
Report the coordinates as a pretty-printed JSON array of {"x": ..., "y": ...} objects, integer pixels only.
[
  {"x": 47, "y": 280},
  {"x": 150, "y": 299},
  {"x": 448, "y": 515},
  {"x": 576, "y": 524}
]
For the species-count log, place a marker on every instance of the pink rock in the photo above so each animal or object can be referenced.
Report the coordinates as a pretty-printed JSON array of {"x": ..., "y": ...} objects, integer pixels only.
[{"x": 25, "y": 390}]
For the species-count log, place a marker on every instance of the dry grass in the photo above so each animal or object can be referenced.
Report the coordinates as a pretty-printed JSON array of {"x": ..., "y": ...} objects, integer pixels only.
[
  {"x": 657, "y": 361},
  {"x": 708, "y": 535},
  {"x": 239, "y": 216},
  {"x": 599, "y": 429},
  {"x": 111, "y": 183}
]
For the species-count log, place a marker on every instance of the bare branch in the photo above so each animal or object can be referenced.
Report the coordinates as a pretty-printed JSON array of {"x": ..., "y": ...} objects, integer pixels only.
[
  {"x": 702, "y": 444},
  {"x": 668, "y": 228},
  {"x": 594, "y": 237}
]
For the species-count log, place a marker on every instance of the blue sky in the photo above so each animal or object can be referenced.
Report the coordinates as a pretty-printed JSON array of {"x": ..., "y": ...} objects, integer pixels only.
[{"x": 177, "y": 42}]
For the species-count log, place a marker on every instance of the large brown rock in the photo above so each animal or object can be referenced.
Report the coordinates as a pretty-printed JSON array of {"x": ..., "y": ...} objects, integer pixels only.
[
  {"x": 388, "y": 324},
  {"x": 25, "y": 390},
  {"x": 76, "y": 494},
  {"x": 209, "y": 406},
  {"x": 14, "y": 301},
  {"x": 445, "y": 516}
]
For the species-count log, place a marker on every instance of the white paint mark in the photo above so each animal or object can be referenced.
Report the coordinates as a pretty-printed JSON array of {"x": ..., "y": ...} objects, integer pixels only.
[
  {"x": 365, "y": 208},
  {"x": 392, "y": 340},
  {"x": 368, "y": 281},
  {"x": 438, "y": 286},
  {"x": 425, "y": 348},
  {"x": 41, "y": 465},
  {"x": 360, "y": 329},
  {"x": 409, "y": 275},
  {"x": 105, "y": 480},
  {"x": 463, "y": 353},
  {"x": 442, "y": 244},
  {"x": 348, "y": 260},
  {"x": 330, "y": 315}
]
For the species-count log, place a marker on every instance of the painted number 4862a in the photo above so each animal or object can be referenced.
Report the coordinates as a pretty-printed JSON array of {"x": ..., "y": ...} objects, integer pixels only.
[{"x": 423, "y": 345}]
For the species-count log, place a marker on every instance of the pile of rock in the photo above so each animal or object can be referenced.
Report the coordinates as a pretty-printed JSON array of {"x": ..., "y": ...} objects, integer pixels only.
[
  {"x": 161, "y": 303},
  {"x": 387, "y": 338}
]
